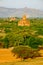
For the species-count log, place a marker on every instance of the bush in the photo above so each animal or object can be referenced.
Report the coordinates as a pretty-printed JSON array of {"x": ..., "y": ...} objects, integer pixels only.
[
  {"x": 6, "y": 42},
  {"x": 25, "y": 52},
  {"x": 35, "y": 42}
]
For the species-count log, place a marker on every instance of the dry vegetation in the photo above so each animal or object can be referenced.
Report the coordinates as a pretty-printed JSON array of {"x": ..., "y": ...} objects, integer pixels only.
[
  {"x": 7, "y": 56},
  {"x": 31, "y": 36}
]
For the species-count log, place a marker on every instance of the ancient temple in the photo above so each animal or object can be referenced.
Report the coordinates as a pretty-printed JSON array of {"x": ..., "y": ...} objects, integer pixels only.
[
  {"x": 12, "y": 19},
  {"x": 24, "y": 21}
]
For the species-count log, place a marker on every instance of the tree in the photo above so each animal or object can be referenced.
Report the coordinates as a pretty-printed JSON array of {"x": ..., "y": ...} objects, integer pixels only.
[
  {"x": 34, "y": 42},
  {"x": 6, "y": 42}
]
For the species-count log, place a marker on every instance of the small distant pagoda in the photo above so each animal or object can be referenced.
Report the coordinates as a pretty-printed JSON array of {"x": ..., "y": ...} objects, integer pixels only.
[
  {"x": 12, "y": 19},
  {"x": 24, "y": 21}
]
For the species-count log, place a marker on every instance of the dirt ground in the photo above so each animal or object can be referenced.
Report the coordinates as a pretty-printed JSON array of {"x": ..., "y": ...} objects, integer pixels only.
[{"x": 7, "y": 56}]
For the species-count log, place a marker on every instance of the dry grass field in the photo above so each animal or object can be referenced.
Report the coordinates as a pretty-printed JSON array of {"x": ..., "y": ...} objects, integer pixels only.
[
  {"x": 7, "y": 58},
  {"x": 38, "y": 61}
]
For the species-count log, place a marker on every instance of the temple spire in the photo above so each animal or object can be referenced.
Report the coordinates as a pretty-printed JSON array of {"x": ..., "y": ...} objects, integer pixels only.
[{"x": 24, "y": 21}]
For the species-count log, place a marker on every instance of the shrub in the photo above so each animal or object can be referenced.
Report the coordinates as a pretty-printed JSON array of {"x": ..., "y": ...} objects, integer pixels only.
[
  {"x": 35, "y": 42},
  {"x": 6, "y": 42},
  {"x": 25, "y": 52}
]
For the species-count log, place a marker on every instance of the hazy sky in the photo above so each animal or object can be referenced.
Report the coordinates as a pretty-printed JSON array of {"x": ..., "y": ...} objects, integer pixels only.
[{"x": 38, "y": 4}]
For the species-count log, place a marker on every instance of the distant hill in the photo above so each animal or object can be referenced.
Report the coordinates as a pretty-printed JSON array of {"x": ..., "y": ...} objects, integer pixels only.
[{"x": 6, "y": 12}]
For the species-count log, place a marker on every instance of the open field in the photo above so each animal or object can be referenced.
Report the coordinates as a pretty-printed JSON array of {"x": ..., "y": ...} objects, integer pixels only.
[
  {"x": 38, "y": 61},
  {"x": 7, "y": 58}
]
